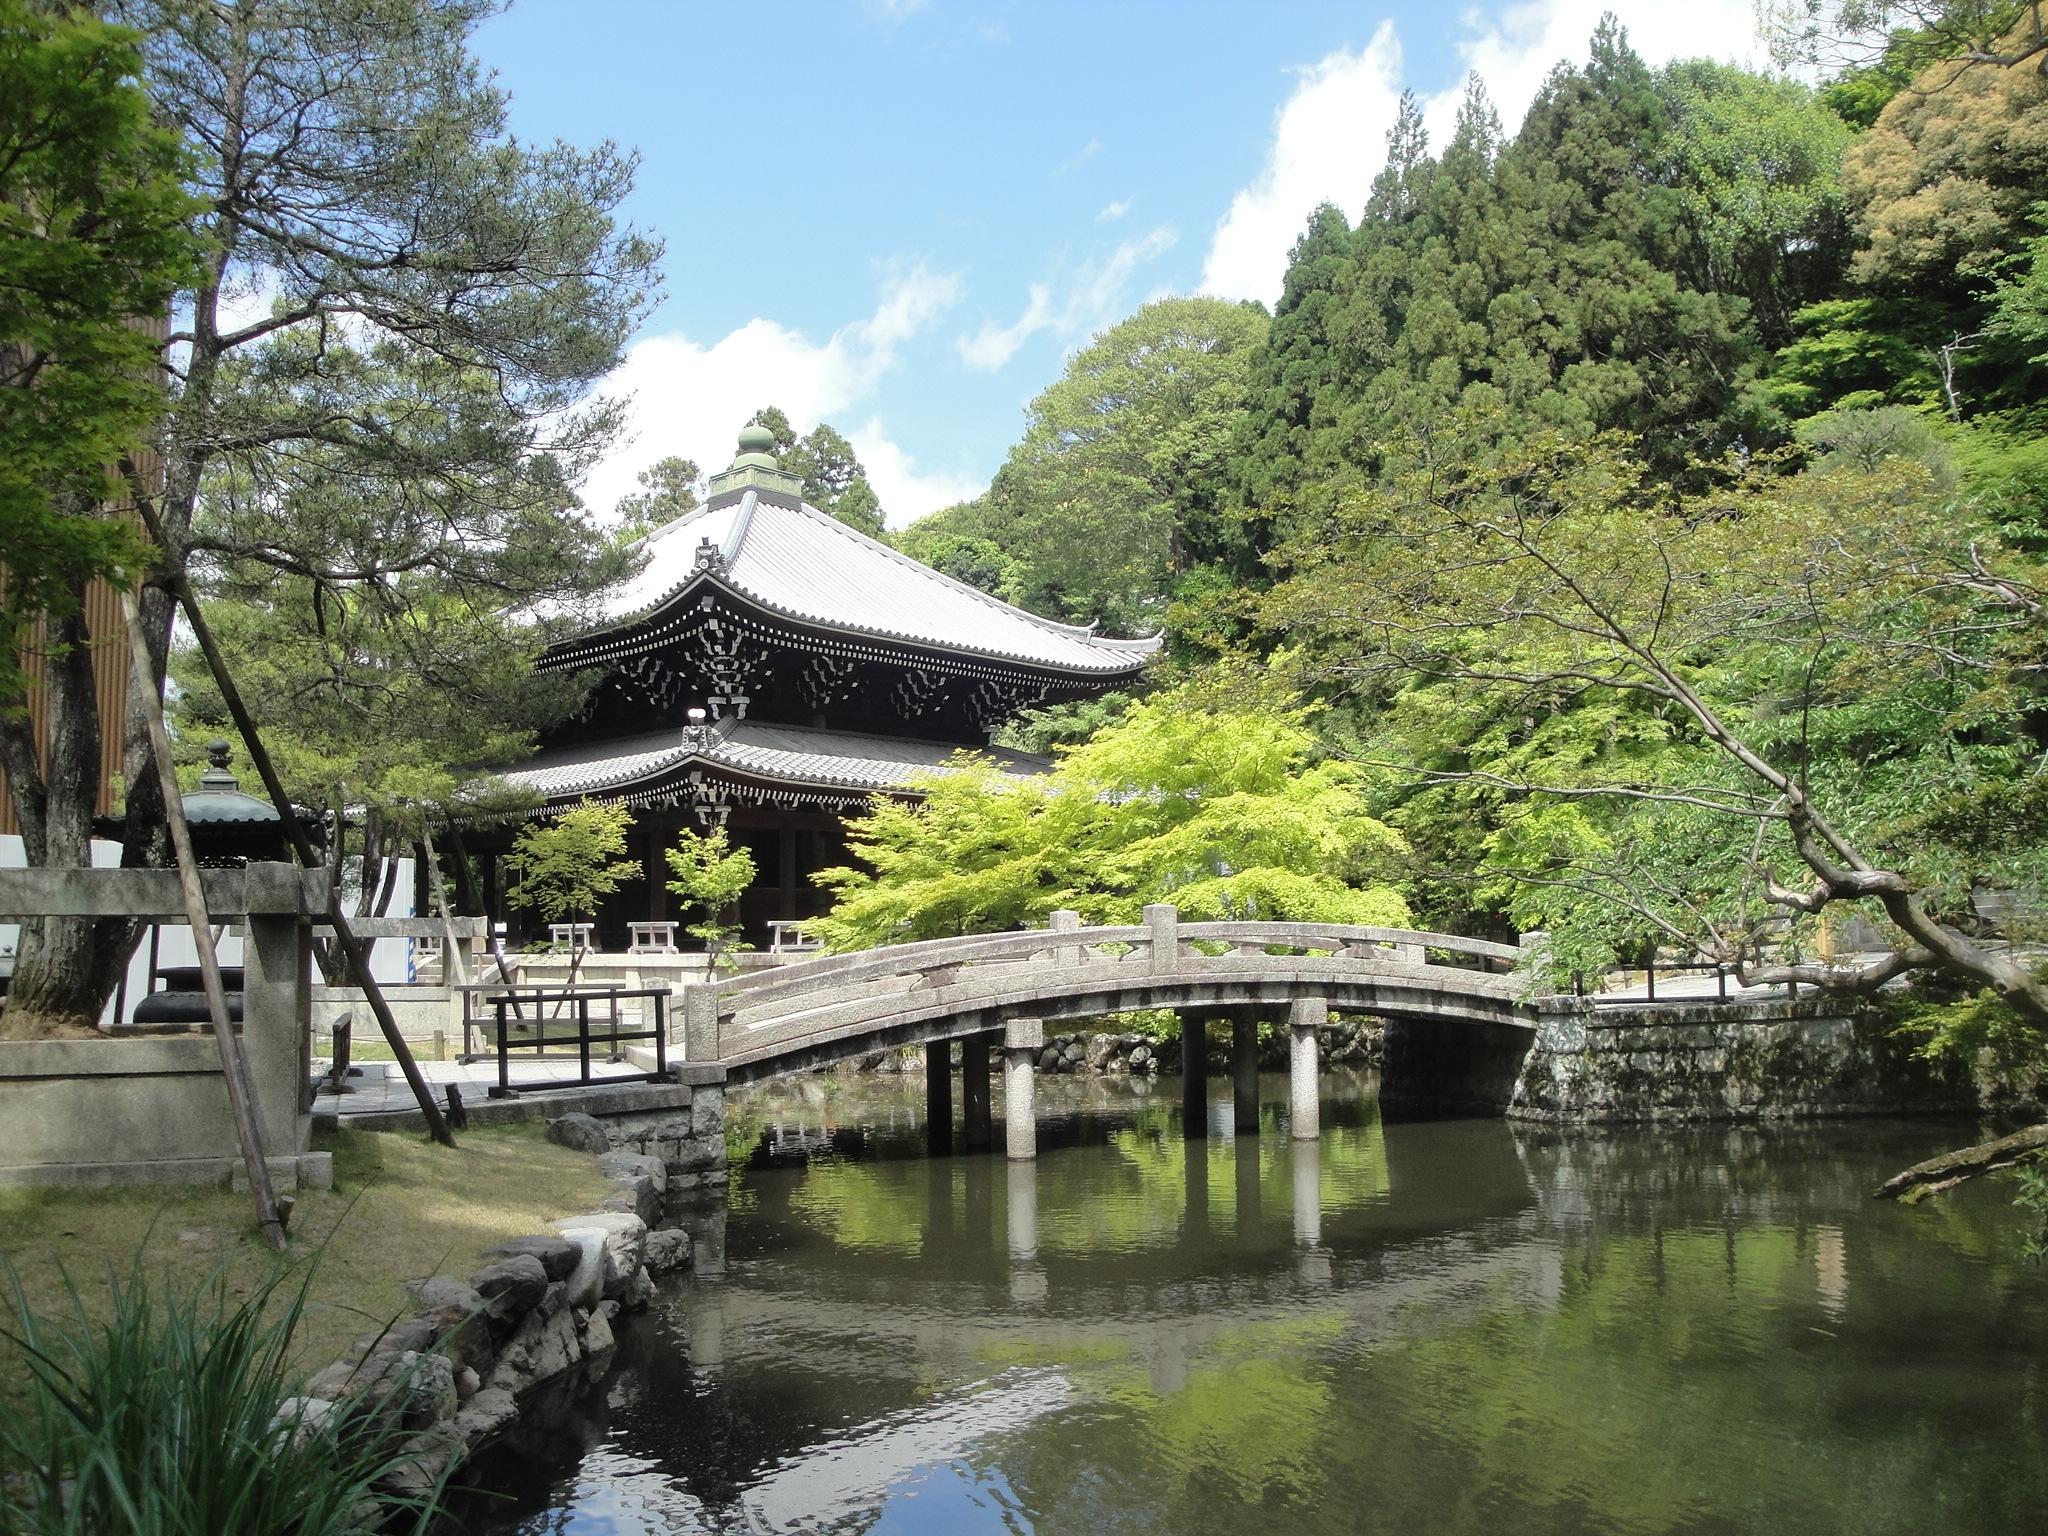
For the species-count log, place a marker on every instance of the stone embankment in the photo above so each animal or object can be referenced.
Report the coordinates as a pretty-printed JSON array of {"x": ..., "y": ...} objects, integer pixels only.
[
  {"x": 1348, "y": 1042},
  {"x": 453, "y": 1372},
  {"x": 1728, "y": 1061}
]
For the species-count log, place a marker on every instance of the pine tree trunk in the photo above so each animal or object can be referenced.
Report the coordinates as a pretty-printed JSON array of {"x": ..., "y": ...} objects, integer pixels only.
[{"x": 66, "y": 969}]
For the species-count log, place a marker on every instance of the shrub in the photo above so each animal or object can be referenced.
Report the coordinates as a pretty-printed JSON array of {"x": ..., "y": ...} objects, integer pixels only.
[{"x": 176, "y": 1415}]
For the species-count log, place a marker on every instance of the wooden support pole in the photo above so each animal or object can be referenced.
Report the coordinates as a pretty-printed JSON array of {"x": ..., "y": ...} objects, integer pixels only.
[
  {"x": 302, "y": 846},
  {"x": 234, "y": 1071},
  {"x": 454, "y": 963}
]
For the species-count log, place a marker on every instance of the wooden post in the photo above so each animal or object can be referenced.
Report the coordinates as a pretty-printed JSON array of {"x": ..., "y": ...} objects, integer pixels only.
[
  {"x": 302, "y": 845},
  {"x": 234, "y": 1071},
  {"x": 454, "y": 965},
  {"x": 1244, "y": 1073}
]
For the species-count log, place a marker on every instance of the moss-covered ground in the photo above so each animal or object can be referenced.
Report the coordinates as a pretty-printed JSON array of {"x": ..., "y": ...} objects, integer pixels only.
[{"x": 401, "y": 1208}]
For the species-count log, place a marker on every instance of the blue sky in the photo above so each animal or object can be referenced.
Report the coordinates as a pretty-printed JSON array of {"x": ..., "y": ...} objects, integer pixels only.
[{"x": 902, "y": 217}]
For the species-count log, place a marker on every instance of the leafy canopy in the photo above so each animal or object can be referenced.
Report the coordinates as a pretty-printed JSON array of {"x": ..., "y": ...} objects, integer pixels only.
[
  {"x": 710, "y": 876},
  {"x": 95, "y": 235},
  {"x": 1225, "y": 811},
  {"x": 564, "y": 866}
]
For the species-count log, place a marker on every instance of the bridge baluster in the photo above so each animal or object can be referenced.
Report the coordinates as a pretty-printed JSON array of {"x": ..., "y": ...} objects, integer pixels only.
[
  {"x": 1162, "y": 927},
  {"x": 1065, "y": 921}
]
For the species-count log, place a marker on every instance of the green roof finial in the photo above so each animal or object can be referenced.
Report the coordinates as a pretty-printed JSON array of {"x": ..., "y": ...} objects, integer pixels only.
[{"x": 757, "y": 448}]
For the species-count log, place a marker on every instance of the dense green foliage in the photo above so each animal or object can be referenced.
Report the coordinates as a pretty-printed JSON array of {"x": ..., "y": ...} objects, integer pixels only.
[
  {"x": 1119, "y": 486},
  {"x": 1223, "y": 811},
  {"x": 564, "y": 865},
  {"x": 95, "y": 234},
  {"x": 381, "y": 380},
  {"x": 709, "y": 875},
  {"x": 1650, "y": 503}
]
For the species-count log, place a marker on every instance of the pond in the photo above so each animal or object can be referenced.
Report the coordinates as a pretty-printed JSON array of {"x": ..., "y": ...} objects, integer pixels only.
[{"x": 1418, "y": 1327}]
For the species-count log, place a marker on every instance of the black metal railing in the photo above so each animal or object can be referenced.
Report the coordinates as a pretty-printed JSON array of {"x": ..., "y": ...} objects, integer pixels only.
[
  {"x": 552, "y": 1023},
  {"x": 1721, "y": 971}
]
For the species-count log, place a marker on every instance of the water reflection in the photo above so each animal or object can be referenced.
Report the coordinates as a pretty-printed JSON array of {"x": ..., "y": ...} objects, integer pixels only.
[{"x": 1425, "y": 1326}]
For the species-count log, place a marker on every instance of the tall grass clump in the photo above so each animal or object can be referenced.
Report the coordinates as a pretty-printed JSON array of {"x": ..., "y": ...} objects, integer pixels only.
[{"x": 175, "y": 1415}]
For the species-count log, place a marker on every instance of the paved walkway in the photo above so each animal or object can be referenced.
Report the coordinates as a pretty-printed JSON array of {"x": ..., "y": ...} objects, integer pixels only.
[
  {"x": 382, "y": 1086},
  {"x": 1691, "y": 989}
]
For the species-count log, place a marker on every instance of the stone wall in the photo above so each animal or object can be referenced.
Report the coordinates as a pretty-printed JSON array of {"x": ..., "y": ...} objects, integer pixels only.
[
  {"x": 1724, "y": 1061},
  {"x": 542, "y": 1306},
  {"x": 1434, "y": 1068}
]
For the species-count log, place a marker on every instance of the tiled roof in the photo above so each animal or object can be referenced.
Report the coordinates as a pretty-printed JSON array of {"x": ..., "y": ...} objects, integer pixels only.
[
  {"x": 788, "y": 753},
  {"x": 795, "y": 560}
]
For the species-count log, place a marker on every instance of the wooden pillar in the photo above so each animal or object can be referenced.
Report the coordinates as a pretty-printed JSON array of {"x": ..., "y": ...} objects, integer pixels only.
[
  {"x": 1244, "y": 1073},
  {"x": 653, "y": 850},
  {"x": 938, "y": 1097},
  {"x": 974, "y": 1095},
  {"x": 1194, "y": 1076},
  {"x": 1023, "y": 1039},
  {"x": 1304, "y": 1096},
  {"x": 785, "y": 858}
]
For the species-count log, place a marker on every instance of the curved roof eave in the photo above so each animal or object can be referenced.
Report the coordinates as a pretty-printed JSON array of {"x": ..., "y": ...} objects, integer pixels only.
[{"x": 1138, "y": 649}]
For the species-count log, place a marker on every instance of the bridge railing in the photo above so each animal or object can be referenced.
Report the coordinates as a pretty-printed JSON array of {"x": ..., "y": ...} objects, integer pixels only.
[{"x": 1160, "y": 944}]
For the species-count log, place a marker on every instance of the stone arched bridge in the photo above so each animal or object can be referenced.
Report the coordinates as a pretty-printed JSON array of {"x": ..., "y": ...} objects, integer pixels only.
[{"x": 813, "y": 1013}]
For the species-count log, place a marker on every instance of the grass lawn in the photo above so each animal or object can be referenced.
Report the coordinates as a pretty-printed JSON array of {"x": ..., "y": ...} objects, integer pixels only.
[{"x": 401, "y": 1208}]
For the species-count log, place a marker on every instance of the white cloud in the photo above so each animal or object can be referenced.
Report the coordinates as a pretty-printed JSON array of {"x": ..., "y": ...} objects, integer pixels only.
[
  {"x": 907, "y": 492},
  {"x": 1329, "y": 135},
  {"x": 1515, "y": 50},
  {"x": 1080, "y": 157},
  {"x": 1115, "y": 210},
  {"x": 1328, "y": 138},
  {"x": 692, "y": 399},
  {"x": 1071, "y": 305}
]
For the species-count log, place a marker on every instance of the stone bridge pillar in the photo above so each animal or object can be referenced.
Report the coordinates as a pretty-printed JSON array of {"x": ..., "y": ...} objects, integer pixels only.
[
  {"x": 1244, "y": 1072},
  {"x": 979, "y": 1129},
  {"x": 1304, "y": 1098},
  {"x": 1023, "y": 1039},
  {"x": 1194, "y": 1075},
  {"x": 938, "y": 1097}
]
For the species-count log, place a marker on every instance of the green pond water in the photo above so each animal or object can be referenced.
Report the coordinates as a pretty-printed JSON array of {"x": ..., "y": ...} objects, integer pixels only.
[{"x": 1405, "y": 1327}]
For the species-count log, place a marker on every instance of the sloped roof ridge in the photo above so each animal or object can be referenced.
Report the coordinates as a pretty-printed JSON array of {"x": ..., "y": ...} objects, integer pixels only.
[{"x": 1077, "y": 631}]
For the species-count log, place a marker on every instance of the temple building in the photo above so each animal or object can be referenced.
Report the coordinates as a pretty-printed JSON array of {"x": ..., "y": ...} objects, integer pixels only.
[{"x": 769, "y": 669}]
